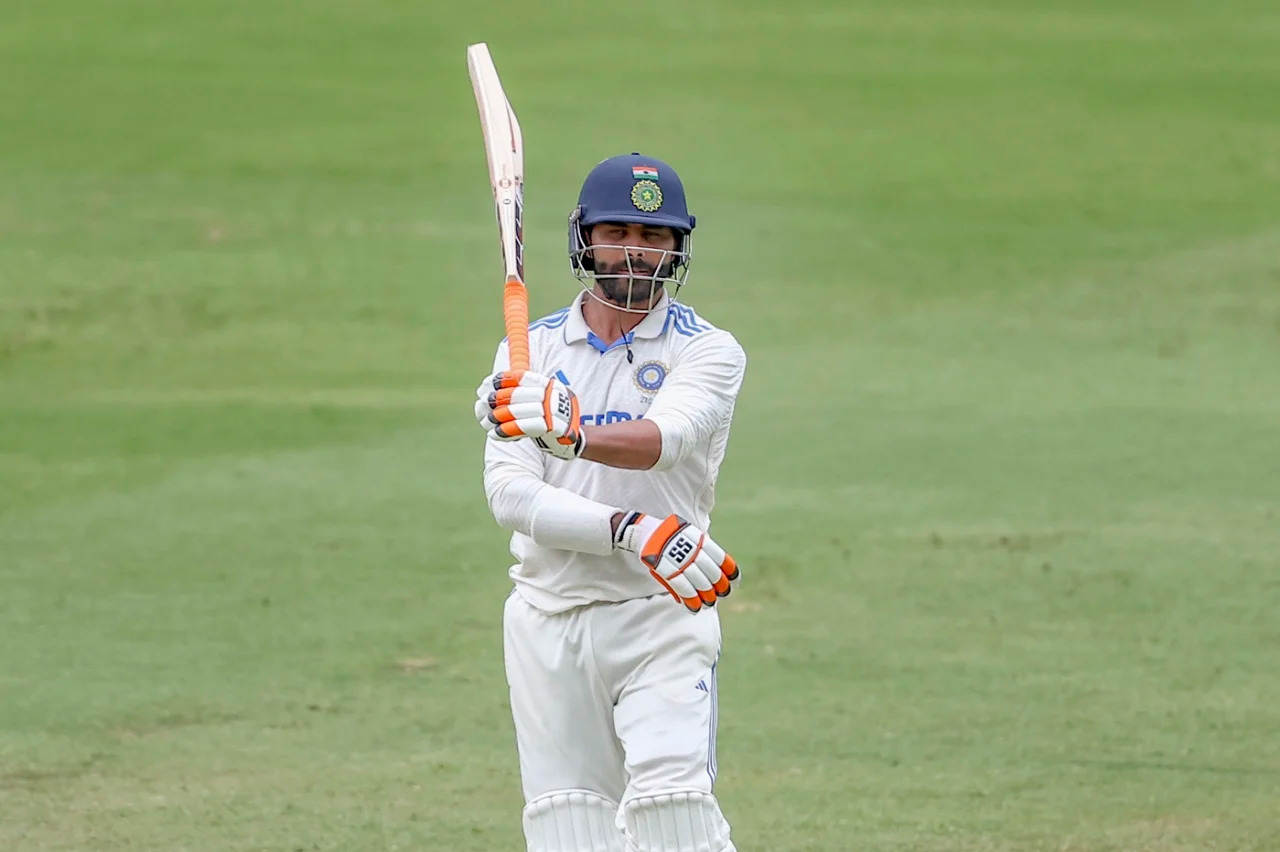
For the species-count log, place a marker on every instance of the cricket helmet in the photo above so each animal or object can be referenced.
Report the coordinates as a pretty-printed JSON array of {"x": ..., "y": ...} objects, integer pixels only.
[{"x": 632, "y": 188}]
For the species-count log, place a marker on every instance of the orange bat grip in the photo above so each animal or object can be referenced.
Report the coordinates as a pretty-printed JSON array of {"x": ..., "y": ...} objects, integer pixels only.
[{"x": 515, "y": 312}]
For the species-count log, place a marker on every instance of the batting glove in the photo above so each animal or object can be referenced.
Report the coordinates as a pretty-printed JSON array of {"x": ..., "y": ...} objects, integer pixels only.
[
  {"x": 523, "y": 404},
  {"x": 682, "y": 558}
]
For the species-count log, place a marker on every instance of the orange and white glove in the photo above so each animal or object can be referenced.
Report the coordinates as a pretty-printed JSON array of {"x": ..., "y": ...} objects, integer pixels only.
[
  {"x": 682, "y": 558},
  {"x": 524, "y": 404}
]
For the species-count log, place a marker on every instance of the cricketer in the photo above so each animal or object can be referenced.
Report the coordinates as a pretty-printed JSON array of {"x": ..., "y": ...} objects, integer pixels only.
[{"x": 601, "y": 460}]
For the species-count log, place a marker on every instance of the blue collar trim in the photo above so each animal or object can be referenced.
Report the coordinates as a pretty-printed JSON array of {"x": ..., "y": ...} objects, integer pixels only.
[{"x": 602, "y": 347}]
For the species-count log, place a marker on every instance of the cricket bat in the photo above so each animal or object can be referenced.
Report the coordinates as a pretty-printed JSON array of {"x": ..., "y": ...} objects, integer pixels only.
[{"x": 504, "y": 148}]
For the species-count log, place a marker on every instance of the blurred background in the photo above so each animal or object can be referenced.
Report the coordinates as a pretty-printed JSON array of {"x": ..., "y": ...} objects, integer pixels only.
[{"x": 1004, "y": 480}]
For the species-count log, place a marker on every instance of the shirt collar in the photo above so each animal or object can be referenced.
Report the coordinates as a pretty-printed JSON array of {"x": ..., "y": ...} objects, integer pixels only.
[{"x": 653, "y": 325}]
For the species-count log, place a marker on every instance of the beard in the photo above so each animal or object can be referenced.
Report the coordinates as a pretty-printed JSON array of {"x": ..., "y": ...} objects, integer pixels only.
[{"x": 628, "y": 286}]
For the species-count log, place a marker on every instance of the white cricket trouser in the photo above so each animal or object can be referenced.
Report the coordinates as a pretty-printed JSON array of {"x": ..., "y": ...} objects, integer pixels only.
[{"x": 614, "y": 698}]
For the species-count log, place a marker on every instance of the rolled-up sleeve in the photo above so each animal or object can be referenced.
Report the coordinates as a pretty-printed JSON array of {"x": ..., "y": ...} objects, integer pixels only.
[{"x": 698, "y": 396}]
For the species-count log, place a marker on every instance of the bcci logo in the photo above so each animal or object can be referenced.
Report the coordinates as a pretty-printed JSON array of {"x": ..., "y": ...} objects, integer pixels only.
[
  {"x": 646, "y": 196},
  {"x": 650, "y": 375}
]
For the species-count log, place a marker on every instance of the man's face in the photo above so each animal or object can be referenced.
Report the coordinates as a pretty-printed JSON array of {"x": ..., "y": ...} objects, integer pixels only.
[{"x": 634, "y": 283}]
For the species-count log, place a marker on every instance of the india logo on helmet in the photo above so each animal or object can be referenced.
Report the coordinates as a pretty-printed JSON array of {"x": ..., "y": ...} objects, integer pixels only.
[{"x": 646, "y": 196}]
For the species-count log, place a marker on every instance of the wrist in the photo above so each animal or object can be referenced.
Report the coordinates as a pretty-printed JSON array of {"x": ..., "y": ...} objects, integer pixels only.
[{"x": 632, "y": 530}]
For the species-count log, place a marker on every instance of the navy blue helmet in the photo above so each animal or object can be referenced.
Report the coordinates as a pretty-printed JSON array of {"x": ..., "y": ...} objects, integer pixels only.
[{"x": 632, "y": 188}]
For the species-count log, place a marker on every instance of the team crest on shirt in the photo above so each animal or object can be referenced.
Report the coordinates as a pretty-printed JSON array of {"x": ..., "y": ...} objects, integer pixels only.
[{"x": 650, "y": 375}]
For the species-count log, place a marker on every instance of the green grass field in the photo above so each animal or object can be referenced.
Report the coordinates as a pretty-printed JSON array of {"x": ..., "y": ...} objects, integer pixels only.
[{"x": 1005, "y": 477}]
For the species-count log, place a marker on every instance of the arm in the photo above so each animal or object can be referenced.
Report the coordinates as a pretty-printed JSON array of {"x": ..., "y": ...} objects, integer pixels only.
[
  {"x": 681, "y": 558},
  {"x": 698, "y": 397},
  {"x": 696, "y": 400},
  {"x": 522, "y": 502},
  {"x": 553, "y": 517},
  {"x": 631, "y": 444}
]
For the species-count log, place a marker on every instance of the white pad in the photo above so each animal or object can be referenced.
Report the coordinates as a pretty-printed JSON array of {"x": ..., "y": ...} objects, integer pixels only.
[
  {"x": 676, "y": 822},
  {"x": 572, "y": 821}
]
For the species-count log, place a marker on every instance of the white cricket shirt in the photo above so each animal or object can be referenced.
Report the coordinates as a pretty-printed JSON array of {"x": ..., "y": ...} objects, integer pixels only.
[{"x": 684, "y": 375}]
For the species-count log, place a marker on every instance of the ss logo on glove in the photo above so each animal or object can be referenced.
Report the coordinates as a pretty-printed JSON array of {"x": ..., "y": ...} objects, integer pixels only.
[
  {"x": 680, "y": 549},
  {"x": 564, "y": 405}
]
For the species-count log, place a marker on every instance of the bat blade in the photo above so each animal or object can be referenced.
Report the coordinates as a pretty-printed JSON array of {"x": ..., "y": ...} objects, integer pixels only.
[{"x": 504, "y": 151}]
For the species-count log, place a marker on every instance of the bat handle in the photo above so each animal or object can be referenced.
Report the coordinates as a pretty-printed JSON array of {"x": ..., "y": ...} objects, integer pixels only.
[{"x": 515, "y": 312}]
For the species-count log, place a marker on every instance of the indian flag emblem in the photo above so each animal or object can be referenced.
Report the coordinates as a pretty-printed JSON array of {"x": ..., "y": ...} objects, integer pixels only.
[{"x": 644, "y": 173}]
